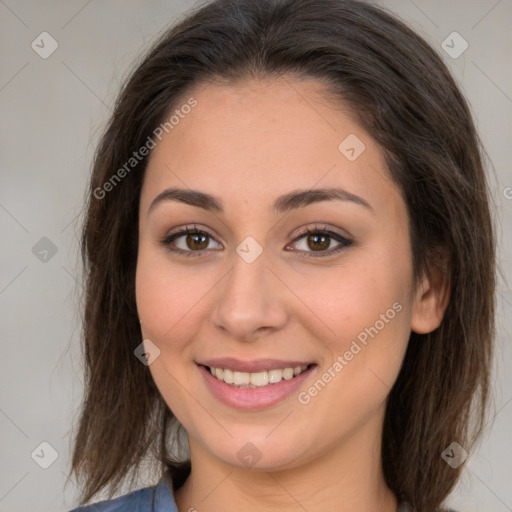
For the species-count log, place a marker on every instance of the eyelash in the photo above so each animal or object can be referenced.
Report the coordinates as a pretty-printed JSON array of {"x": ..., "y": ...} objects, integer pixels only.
[{"x": 344, "y": 242}]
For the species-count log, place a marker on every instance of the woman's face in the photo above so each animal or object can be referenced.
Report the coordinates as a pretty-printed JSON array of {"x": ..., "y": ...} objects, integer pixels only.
[{"x": 253, "y": 292}]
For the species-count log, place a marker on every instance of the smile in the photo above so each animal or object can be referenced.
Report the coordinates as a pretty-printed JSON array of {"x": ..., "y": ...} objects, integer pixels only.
[
  {"x": 255, "y": 379},
  {"x": 254, "y": 385}
]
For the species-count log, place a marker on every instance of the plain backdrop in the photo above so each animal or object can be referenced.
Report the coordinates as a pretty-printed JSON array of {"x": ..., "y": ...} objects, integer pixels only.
[{"x": 52, "y": 112}]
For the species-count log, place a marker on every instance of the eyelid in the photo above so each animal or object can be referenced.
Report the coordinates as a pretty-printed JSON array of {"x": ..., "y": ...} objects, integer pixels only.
[
  {"x": 189, "y": 228},
  {"x": 320, "y": 226}
]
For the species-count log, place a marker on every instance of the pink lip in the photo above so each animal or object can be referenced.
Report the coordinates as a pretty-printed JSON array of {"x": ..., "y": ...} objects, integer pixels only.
[
  {"x": 252, "y": 366},
  {"x": 253, "y": 398}
]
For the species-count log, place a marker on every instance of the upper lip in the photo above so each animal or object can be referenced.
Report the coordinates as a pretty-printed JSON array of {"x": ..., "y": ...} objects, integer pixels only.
[{"x": 256, "y": 365}]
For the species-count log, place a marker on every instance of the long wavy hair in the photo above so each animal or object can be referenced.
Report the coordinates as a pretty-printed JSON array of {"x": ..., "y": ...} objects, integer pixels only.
[{"x": 404, "y": 96}]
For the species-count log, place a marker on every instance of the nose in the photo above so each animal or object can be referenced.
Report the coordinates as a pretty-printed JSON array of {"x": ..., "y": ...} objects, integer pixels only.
[{"x": 251, "y": 301}]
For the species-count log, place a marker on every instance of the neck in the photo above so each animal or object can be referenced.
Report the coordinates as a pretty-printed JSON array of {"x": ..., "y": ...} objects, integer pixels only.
[{"x": 346, "y": 477}]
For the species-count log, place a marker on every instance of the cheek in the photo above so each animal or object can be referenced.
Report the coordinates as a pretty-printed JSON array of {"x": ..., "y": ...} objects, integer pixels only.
[
  {"x": 348, "y": 298},
  {"x": 166, "y": 314},
  {"x": 152, "y": 297},
  {"x": 160, "y": 296},
  {"x": 369, "y": 309},
  {"x": 170, "y": 299},
  {"x": 364, "y": 307}
]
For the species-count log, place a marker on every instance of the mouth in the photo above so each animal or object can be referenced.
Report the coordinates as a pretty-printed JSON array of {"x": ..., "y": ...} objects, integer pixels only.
[
  {"x": 254, "y": 385},
  {"x": 260, "y": 379}
]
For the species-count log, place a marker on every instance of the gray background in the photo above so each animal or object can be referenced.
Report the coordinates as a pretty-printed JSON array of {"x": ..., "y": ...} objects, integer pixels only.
[{"x": 52, "y": 113}]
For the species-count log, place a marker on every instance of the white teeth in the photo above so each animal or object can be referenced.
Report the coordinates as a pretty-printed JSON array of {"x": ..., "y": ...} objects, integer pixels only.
[
  {"x": 288, "y": 373},
  {"x": 241, "y": 378},
  {"x": 259, "y": 379},
  {"x": 275, "y": 376},
  {"x": 256, "y": 379},
  {"x": 227, "y": 376}
]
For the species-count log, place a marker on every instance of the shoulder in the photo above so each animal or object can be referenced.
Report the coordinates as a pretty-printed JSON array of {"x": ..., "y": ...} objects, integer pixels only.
[
  {"x": 157, "y": 498},
  {"x": 140, "y": 500}
]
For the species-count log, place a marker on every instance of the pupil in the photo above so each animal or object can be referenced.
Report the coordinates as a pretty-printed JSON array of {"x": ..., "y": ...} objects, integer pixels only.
[
  {"x": 192, "y": 238},
  {"x": 317, "y": 246}
]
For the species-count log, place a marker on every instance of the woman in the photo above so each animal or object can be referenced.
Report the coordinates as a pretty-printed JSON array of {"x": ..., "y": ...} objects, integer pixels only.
[{"x": 290, "y": 269}]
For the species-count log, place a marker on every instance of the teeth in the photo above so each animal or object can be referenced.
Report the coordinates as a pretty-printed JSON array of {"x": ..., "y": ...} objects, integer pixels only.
[
  {"x": 241, "y": 378},
  {"x": 256, "y": 379},
  {"x": 275, "y": 376},
  {"x": 288, "y": 373}
]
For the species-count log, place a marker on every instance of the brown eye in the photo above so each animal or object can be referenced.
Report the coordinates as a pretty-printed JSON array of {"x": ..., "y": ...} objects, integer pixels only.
[
  {"x": 197, "y": 241},
  {"x": 188, "y": 241},
  {"x": 319, "y": 241}
]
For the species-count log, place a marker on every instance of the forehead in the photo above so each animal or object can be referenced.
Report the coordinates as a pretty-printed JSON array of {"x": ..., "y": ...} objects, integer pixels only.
[{"x": 256, "y": 139}]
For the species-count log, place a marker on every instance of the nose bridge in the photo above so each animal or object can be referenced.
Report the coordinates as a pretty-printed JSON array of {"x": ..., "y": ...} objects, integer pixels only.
[
  {"x": 249, "y": 266},
  {"x": 248, "y": 300}
]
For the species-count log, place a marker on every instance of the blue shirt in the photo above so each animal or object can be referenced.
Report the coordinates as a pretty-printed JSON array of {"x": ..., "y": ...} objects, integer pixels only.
[{"x": 158, "y": 498}]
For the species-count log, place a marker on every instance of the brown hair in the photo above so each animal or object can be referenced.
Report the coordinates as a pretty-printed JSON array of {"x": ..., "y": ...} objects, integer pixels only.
[{"x": 406, "y": 99}]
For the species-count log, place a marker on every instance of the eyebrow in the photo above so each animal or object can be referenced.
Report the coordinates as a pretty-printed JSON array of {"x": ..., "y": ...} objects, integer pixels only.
[{"x": 290, "y": 201}]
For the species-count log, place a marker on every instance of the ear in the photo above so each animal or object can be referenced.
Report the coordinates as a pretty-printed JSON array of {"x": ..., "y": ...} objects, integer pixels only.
[{"x": 430, "y": 301}]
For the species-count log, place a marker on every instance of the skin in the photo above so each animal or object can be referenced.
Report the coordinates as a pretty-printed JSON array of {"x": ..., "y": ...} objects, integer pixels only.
[{"x": 248, "y": 143}]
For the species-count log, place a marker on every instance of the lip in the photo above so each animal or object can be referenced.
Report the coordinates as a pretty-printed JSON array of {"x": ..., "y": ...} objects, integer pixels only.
[
  {"x": 253, "y": 398},
  {"x": 257, "y": 365}
]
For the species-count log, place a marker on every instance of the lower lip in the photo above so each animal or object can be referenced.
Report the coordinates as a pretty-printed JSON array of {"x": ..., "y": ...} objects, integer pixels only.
[{"x": 253, "y": 398}]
